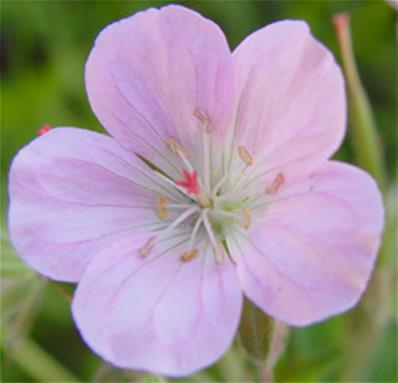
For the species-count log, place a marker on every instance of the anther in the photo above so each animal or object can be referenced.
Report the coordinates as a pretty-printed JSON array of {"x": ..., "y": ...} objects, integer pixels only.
[
  {"x": 176, "y": 148},
  {"x": 202, "y": 116},
  {"x": 247, "y": 218},
  {"x": 275, "y": 184},
  {"x": 161, "y": 208},
  {"x": 189, "y": 255},
  {"x": 245, "y": 156},
  {"x": 44, "y": 129},
  {"x": 146, "y": 249}
]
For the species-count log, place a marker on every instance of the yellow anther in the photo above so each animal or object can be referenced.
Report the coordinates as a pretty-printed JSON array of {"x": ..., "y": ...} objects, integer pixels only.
[
  {"x": 161, "y": 208},
  {"x": 245, "y": 156},
  {"x": 176, "y": 148},
  {"x": 189, "y": 255},
  {"x": 275, "y": 184},
  {"x": 146, "y": 249},
  {"x": 247, "y": 218},
  {"x": 202, "y": 116}
]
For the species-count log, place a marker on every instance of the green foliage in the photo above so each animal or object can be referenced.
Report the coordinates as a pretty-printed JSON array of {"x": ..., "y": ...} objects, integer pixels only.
[
  {"x": 255, "y": 333},
  {"x": 44, "y": 47},
  {"x": 21, "y": 292}
]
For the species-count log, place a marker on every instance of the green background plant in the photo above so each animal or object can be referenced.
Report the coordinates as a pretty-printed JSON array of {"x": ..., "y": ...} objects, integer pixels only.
[{"x": 44, "y": 45}]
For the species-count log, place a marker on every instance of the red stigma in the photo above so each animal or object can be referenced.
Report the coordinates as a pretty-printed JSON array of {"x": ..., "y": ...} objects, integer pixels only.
[
  {"x": 43, "y": 129},
  {"x": 190, "y": 182}
]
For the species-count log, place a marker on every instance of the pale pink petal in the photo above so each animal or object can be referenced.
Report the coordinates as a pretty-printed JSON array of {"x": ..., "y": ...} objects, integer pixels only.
[
  {"x": 72, "y": 193},
  {"x": 147, "y": 74},
  {"x": 312, "y": 254},
  {"x": 291, "y": 114},
  {"x": 157, "y": 313},
  {"x": 393, "y": 3}
]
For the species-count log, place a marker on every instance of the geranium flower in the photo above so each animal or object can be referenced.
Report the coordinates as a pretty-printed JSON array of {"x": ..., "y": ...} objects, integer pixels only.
[{"x": 214, "y": 184}]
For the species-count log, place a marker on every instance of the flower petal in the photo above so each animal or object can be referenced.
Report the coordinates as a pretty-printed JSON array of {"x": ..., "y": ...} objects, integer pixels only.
[
  {"x": 148, "y": 73},
  {"x": 291, "y": 114},
  {"x": 72, "y": 193},
  {"x": 312, "y": 254},
  {"x": 158, "y": 313}
]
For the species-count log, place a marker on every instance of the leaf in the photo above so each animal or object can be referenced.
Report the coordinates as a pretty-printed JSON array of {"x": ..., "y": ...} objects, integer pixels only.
[
  {"x": 307, "y": 369},
  {"x": 11, "y": 265},
  {"x": 255, "y": 333},
  {"x": 108, "y": 373}
]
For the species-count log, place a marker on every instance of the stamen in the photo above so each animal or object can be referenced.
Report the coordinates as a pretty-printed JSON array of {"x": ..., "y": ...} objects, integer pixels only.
[
  {"x": 176, "y": 148},
  {"x": 223, "y": 213},
  {"x": 203, "y": 200},
  {"x": 226, "y": 177},
  {"x": 171, "y": 182},
  {"x": 247, "y": 218},
  {"x": 161, "y": 208},
  {"x": 230, "y": 196},
  {"x": 178, "y": 205},
  {"x": 182, "y": 217},
  {"x": 202, "y": 116},
  {"x": 245, "y": 156},
  {"x": 189, "y": 255},
  {"x": 146, "y": 249},
  {"x": 195, "y": 229},
  {"x": 217, "y": 246},
  {"x": 44, "y": 129},
  {"x": 276, "y": 184},
  {"x": 180, "y": 151}
]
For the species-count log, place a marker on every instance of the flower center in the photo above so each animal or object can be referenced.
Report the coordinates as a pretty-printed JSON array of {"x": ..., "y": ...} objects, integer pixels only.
[{"x": 211, "y": 204}]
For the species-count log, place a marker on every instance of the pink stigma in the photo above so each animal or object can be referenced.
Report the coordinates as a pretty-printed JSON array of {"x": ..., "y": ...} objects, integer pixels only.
[
  {"x": 44, "y": 129},
  {"x": 190, "y": 182}
]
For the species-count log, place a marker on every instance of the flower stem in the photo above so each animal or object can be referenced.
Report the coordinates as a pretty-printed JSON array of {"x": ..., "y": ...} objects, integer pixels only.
[
  {"x": 277, "y": 347},
  {"x": 364, "y": 133},
  {"x": 232, "y": 366}
]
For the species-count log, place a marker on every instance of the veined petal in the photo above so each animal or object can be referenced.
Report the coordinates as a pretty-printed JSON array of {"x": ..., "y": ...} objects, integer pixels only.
[
  {"x": 158, "y": 313},
  {"x": 72, "y": 193},
  {"x": 312, "y": 254},
  {"x": 292, "y": 109},
  {"x": 149, "y": 74}
]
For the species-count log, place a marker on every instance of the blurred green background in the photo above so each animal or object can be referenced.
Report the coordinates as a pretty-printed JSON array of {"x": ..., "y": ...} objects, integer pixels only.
[{"x": 44, "y": 45}]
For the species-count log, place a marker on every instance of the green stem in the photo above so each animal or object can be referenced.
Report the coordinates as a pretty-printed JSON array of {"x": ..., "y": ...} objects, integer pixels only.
[
  {"x": 231, "y": 365},
  {"x": 37, "y": 363},
  {"x": 26, "y": 314},
  {"x": 364, "y": 133},
  {"x": 277, "y": 347}
]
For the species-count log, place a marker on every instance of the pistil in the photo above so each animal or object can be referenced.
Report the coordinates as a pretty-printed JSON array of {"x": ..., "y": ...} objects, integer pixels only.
[{"x": 192, "y": 185}]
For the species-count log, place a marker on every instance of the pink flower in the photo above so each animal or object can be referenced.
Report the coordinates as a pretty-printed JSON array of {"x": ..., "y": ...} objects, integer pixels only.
[
  {"x": 393, "y": 3},
  {"x": 216, "y": 183}
]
